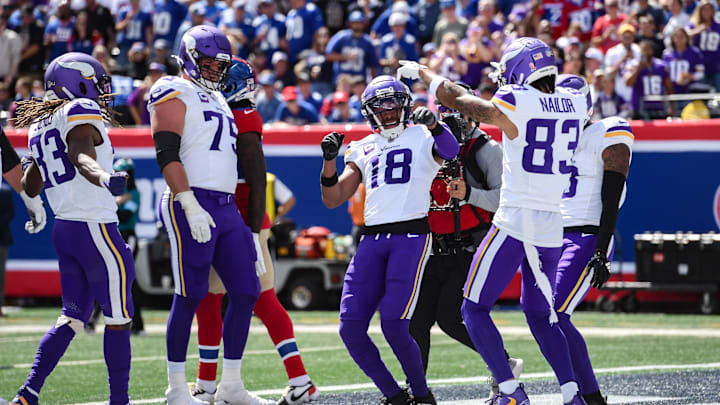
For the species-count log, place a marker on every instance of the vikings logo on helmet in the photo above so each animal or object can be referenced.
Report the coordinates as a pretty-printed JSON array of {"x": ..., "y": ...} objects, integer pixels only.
[
  {"x": 577, "y": 83},
  {"x": 204, "y": 41},
  {"x": 383, "y": 96},
  {"x": 76, "y": 75},
  {"x": 523, "y": 62}
]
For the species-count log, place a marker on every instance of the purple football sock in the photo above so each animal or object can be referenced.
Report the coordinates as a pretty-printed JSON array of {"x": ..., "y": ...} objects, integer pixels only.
[
  {"x": 117, "y": 359},
  {"x": 366, "y": 355},
  {"x": 486, "y": 339},
  {"x": 580, "y": 358},
  {"x": 553, "y": 345},
  {"x": 397, "y": 333},
  {"x": 51, "y": 349},
  {"x": 178, "y": 328},
  {"x": 237, "y": 324}
]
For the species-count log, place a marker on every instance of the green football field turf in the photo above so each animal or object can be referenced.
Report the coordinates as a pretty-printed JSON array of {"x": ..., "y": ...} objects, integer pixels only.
[{"x": 81, "y": 375}]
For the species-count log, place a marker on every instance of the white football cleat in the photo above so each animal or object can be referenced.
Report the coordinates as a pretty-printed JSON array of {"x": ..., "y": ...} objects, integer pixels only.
[
  {"x": 236, "y": 394},
  {"x": 516, "y": 365},
  {"x": 181, "y": 396},
  {"x": 299, "y": 394},
  {"x": 198, "y": 392}
]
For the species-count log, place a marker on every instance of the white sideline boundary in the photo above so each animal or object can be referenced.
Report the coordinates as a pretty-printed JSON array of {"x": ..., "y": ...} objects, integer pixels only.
[{"x": 541, "y": 399}]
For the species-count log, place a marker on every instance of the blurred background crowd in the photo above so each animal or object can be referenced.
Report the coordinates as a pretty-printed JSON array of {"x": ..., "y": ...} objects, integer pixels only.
[{"x": 314, "y": 58}]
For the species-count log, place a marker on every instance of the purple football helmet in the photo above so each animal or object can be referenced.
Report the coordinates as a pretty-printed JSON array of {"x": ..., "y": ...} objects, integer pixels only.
[
  {"x": 524, "y": 61},
  {"x": 577, "y": 83},
  {"x": 76, "y": 75},
  {"x": 204, "y": 41},
  {"x": 241, "y": 83},
  {"x": 384, "y": 94}
]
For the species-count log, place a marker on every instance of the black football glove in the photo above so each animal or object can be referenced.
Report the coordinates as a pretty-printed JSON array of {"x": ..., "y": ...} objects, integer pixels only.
[
  {"x": 331, "y": 144},
  {"x": 423, "y": 115},
  {"x": 600, "y": 266}
]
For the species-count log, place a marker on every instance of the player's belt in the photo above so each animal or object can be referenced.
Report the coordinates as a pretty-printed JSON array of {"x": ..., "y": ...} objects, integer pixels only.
[
  {"x": 218, "y": 196},
  {"x": 416, "y": 226},
  {"x": 591, "y": 229}
]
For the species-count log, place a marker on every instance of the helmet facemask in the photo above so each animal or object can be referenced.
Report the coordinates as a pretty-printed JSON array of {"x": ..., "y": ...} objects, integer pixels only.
[
  {"x": 388, "y": 115},
  {"x": 212, "y": 76}
]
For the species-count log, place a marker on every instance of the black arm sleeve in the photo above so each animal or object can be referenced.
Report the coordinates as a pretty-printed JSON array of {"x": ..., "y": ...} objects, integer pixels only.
[
  {"x": 167, "y": 147},
  {"x": 10, "y": 158},
  {"x": 612, "y": 188}
]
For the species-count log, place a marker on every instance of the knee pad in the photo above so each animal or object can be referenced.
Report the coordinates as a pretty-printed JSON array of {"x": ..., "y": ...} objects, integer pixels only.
[{"x": 75, "y": 324}]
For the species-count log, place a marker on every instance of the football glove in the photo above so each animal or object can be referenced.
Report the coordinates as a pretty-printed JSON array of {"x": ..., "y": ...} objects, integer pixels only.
[
  {"x": 600, "y": 267},
  {"x": 25, "y": 162},
  {"x": 36, "y": 210},
  {"x": 409, "y": 70},
  {"x": 331, "y": 144},
  {"x": 198, "y": 219},
  {"x": 115, "y": 182},
  {"x": 260, "y": 262},
  {"x": 424, "y": 116}
]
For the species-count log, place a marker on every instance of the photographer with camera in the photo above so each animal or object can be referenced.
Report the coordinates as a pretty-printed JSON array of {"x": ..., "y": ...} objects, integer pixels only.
[{"x": 465, "y": 193}]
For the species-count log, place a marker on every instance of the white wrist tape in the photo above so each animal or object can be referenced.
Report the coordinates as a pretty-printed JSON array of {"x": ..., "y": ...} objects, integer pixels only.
[{"x": 434, "y": 84}]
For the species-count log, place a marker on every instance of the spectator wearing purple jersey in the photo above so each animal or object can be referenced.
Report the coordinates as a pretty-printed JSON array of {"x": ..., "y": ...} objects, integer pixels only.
[
  {"x": 138, "y": 100},
  {"x": 351, "y": 50},
  {"x": 476, "y": 48},
  {"x": 486, "y": 16},
  {"x": 237, "y": 25},
  {"x": 705, "y": 32},
  {"x": 301, "y": 23},
  {"x": 59, "y": 29},
  {"x": 685, "y": 63},
  {"x": 447, "y": 61},
  {"x": 397, "y": 45},
  {"x": 133, "y": 25},
  {"x": 649, "y": 77},
  {"x": 608, "y": 102}
]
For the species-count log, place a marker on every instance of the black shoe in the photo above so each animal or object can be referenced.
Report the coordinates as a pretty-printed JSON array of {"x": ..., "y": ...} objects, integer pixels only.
[
  {"x": 428, "y": 399},
  {"x": 595, "y": 398},
  {"x": 401, "y": 398}
]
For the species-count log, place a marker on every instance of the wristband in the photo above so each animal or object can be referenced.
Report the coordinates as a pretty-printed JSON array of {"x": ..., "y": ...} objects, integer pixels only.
[
  {"x": 329, "y": 181},
  {"x": 434, "y": 84}
]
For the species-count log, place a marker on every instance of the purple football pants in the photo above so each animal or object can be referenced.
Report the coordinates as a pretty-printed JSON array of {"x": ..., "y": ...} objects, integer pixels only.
[
  {"x": 494, "y": 265},
  {"x": 385, "y": 274}
]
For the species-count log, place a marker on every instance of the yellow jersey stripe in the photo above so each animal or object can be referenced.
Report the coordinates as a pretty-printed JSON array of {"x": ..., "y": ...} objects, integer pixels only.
[
  {"x": 503, "y": 103},
  {"x": 85, "y": 117},
  {"x": 619, "y": 133},
  {"x": 477, "y": 263},
  {"x": 574, "y": 290},
  {"x": 417, "y": 277},
  {"x": 168, "y": 97},
  {"x": 179, "y": 242},
  {"x": 121, "y": 264}
]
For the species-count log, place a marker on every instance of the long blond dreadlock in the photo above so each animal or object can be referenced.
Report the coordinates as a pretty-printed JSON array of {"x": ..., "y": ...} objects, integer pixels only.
[{"x": 37, "y": 109}]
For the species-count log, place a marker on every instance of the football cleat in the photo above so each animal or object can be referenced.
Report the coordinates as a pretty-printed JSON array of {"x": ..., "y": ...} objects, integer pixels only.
[
  {"x": 236, "y": 394},
  {"x": 577, "y": 400},
  {"x": 428, "y": 399},
  {"x": 516, "y": 365},
  {"x": 299, "y": 394},
  {"x": 181, "y": 396},
  {"x": 401, "y": 398},
  {"x": 595, "y": 398},
  {"x": 25, "y": 396},
  {"x": 199, "y": 392},
  {"x": 519, "y": 397}
]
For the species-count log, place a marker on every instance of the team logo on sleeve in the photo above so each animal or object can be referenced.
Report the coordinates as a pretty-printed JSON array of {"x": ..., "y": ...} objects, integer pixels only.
[
  {"x": 367, "y": 149},
  {"x": 203, "y": 97}
]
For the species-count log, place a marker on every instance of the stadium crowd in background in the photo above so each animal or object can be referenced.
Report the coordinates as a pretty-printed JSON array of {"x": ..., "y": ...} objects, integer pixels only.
[{"x": 309, "y": 55}]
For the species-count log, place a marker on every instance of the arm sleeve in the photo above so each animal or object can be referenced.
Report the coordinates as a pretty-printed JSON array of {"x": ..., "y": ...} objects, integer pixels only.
[
  {"x": 489, "y": 158},
  {"x": 10, "y": 158}
]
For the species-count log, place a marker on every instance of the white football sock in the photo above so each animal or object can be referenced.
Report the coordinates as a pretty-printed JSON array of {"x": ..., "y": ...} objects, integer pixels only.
[
  {"x": 300, "y": 381},
  {"x": 509, "y": 386},
  {"x": 231, "y": 371},
  {"x": 176, "y": 374},
  {"x": 569, "y": 390}
]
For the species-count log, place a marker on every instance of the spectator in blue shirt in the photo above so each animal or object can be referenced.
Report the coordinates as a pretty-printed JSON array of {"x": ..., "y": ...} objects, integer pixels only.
[
  {"x": 58, "y": 32},
  {"x": 237, "y": 25},
  {"x": 213, "y": 10},
  {"x": 169, "y": 15},
  {"x": 267, "y": 101},
  {"x": 133, "y": 25},
  {"x": 269, "y": 29},
  {"x": 428, "y": 13},
  {"x": 295, "y": 111},
  {"x": 304, "y": 86},
  {"x": 301, "y": 23},
  {"x": 382, "y": 24},
  {"x": 197, "y": 17},
  {"x": 397, "y": 45},
  {"x": 351, "y": 50},
  {"x": 342, "y": 112}
]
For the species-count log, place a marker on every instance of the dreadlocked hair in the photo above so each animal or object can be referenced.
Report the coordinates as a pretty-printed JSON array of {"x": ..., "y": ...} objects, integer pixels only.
[{"x": 37, "y": 109}]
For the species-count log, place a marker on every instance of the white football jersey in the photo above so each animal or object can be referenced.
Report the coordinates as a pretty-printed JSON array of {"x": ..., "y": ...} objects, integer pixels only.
[
  {"x": 536, "y": 163},
  {"x": 397, "y": 174},
  {"x": 582, "y": 203},
  {"x": 71, "y": 196},
  {"x": 207, "y": 146}
]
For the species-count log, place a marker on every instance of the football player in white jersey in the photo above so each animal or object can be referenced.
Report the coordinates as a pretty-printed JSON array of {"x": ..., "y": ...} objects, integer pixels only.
[
  {"x": 71, "y": 154},
  {"x": 589, "y": 207},
  {"x": 195, "y": 139},
  {"x": 397, "y": 165},
  {"x": 541, "y": 125}
]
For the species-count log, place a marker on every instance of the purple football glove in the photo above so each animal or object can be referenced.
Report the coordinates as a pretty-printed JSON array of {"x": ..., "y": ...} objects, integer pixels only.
[{"x": 116, "y": 182}]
